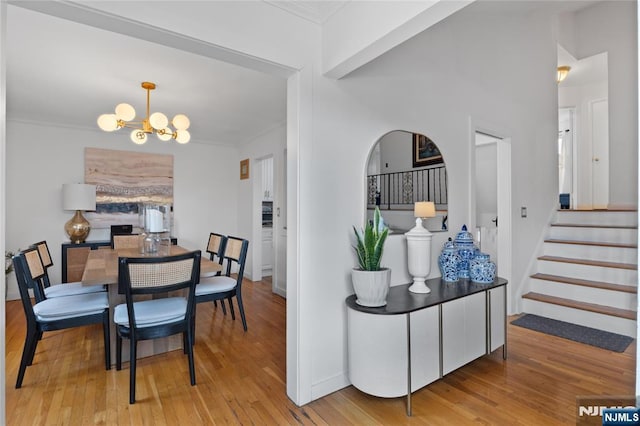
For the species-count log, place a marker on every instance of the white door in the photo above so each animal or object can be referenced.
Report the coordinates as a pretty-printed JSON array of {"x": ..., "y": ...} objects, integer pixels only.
[
  {"x": 486, "y": 182},
  {"x": 600, "y": 160}
]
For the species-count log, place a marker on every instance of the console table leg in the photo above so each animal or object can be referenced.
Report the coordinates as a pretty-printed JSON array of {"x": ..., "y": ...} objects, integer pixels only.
[
  {"x": 504, "y": 346},
  {"x": 408, "y": 364}
]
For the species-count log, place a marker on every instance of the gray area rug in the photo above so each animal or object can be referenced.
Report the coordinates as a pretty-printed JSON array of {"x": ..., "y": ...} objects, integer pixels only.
[{"x": 578, "y": 333}]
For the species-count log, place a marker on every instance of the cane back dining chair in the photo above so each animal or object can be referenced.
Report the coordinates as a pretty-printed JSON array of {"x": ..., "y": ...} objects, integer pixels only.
[
  {"x": 59, "y": 290},
  {"x": 215, "y": 248},
  {"x": 225, "y": 286},
  {"x": 125, "y": 241},
  {"x": 56, "y": 313},
  {"x": 160, "y": 317}
]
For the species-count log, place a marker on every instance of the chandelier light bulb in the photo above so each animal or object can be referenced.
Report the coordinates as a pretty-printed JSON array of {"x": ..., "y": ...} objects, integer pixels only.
[
  {"x": 158, "y": 120},
  {"x": 181, "y": 122},
  {"x": 182, "y": 136},
  {"x": 125, "y": 112},
  {"x": 108, "y": 122},
  {"x": 138, "y": 136},
  {"x": 165, "y": 134}
]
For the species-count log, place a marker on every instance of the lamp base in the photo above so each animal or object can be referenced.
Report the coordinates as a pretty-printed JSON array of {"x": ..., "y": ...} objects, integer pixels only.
[
  {"x": 77, "y": 228},
  {"x": 419, "y": 286}
]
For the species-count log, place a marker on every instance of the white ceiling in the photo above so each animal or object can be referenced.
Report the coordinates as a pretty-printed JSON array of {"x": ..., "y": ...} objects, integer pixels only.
[
  {"x": 585, "y": 71},
  {"x": 67, "y": 73},
  {"x": 317, "y": 11}
]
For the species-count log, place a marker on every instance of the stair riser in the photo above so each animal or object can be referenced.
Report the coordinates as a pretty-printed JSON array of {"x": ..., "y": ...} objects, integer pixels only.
[
  {"x": 587, "y": 252},
  {"x": 598, "y": 218},
  {"x": 617, "y": 299},
  {"x": 580, "y": 317},
  {"x": 589, "y": 272},
  {"x": 607, "y": 235}
]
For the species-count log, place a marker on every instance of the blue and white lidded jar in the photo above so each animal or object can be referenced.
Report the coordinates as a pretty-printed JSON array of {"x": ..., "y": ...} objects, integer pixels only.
[
  {"x": 448, "y": 262},
  {"x": 466, "y": 250},
  {"x": 482, "y": 269}
]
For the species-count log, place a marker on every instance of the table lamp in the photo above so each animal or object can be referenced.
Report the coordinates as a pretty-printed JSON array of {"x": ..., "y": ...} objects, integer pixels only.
[
  {"x": 419, "y": 247},
  {"x": 78, "y": 197}
]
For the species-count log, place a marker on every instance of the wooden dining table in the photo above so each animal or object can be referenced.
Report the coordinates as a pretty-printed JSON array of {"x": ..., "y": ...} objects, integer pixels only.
[
  {"x": 102, "y": 269},
  {"x": 102, "y": 264}
]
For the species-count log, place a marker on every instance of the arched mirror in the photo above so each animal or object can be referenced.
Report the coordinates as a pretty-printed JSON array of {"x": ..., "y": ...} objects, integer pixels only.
[{"x": 404, "y": 168}]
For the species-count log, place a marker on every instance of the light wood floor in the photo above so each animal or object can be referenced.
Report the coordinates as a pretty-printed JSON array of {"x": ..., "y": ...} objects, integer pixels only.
[{"x": 241, "y": 380}]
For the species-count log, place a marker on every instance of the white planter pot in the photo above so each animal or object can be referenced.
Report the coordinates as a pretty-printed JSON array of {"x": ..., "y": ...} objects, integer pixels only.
[{"x": 371, "y": 287}]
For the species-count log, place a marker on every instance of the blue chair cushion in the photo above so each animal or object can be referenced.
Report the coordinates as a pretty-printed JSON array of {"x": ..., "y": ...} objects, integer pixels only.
[
  {"x": 152, "y": 312},
  {"x": 71, "y": 289},
  {"x": 71, "y": 306},
  {"x": 215, "y": 285}
]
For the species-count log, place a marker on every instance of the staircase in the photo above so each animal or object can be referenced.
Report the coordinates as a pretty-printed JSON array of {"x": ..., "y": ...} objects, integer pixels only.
[{"x": 587, "y": 274}]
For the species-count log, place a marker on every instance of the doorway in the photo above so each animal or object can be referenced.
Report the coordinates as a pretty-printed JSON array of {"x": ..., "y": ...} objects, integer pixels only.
[
  {"x": 486, "y": 187},
  {"x": 490, "y": 201},
  {"x": 566, "y": 156},
  {"x": 583, "y": 131}
]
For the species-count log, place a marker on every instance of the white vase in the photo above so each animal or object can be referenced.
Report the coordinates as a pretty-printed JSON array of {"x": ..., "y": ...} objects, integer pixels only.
[
  {"x": 419, "y": 257},
  {"x": 371, "y": 287}
]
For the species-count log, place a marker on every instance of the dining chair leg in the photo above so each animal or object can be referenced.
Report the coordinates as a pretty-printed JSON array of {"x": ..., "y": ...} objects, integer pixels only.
[
  {"x": 241, "y": 309},
  {"x": 118, "y": 352},
  {"x": 36, "y": 335},
  {"x": 233, "y": 314},
  {"x": 30, "y": 343},
  {"x": 132, "y": 372},
  {"x": 224, "y": 309},
  {"x": 192, "y": 367},
  {"x": 106, "y": 331}
]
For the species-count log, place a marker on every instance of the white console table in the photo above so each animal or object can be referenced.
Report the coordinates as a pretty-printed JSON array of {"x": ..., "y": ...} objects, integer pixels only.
[{"x": 416, "y": 339}]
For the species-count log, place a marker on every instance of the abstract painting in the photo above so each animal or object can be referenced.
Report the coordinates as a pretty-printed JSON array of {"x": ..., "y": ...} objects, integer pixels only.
[{"x": 125, "y": 180}]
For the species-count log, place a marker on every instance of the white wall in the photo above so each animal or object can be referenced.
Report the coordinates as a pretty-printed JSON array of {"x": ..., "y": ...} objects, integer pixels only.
[
  {"x": 460, "y": 69},
  {"x": 41, "y": 158}
]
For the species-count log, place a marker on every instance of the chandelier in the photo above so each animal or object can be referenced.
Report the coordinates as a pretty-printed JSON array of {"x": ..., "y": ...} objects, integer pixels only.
[{"x": 157, "y": 122}]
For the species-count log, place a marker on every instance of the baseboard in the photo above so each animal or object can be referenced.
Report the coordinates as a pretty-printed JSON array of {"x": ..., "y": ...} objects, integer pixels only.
[{"x": 330, "y": 385}]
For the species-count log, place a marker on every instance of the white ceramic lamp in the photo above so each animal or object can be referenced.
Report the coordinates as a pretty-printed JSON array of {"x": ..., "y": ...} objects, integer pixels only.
[
  {"x": 78, "y": 197},
  {"x": 419, "y": 248}
]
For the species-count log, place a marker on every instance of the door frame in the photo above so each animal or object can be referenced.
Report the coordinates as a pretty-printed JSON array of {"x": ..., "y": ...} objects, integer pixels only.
[{"x": 503, "y": 145}]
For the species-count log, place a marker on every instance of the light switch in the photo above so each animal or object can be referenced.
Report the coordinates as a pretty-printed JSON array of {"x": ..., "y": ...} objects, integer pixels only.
[{"x": 523, "y": 212}]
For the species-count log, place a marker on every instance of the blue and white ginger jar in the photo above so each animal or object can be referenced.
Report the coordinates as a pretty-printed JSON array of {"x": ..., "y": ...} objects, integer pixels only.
[
  {"x": 466, "y": 250},
  {"x": 448, "y": 262},
  {"x": 482, "y": 269}
]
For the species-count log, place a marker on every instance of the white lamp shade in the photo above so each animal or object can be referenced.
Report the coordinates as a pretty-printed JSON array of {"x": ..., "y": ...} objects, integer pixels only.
[
  {"x": 158, "y": 120},
  {"x": 166, "y": 136},
  {"x": 78, "y": 196},
  {"x": 108, "y": 122},
  {"x": 182, "y": 136},
  {"x": 181, "y": 122},
  {"x": 425, "y": 209},
  {"x": 138, "y": 137},
  {"x": 125, "y": 112}
]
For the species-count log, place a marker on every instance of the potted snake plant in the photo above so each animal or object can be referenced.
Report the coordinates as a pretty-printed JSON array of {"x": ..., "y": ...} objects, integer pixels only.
[{"x": 370, "y": 281}]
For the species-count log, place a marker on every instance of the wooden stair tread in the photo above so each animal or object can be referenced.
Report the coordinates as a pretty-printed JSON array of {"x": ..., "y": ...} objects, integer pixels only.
[
  {"x": 591, "y": 307},
  {"x": 583, "y": 225},
  {"x": 586, "y": 283},
  {"x": 590, "y": 262},
  {"x": 590, "y": 243}
]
